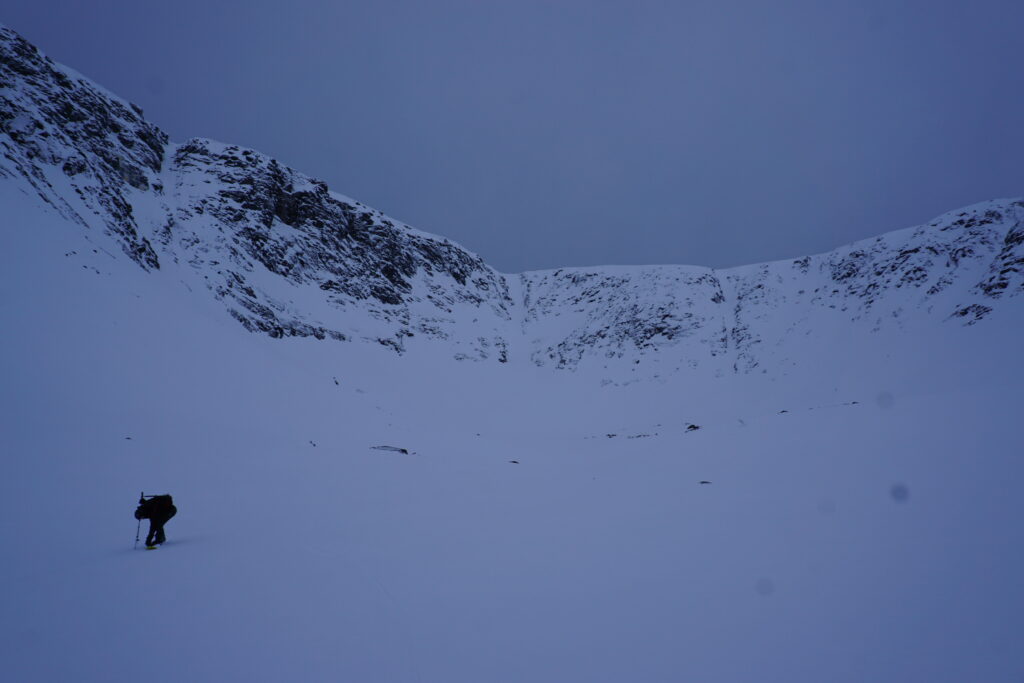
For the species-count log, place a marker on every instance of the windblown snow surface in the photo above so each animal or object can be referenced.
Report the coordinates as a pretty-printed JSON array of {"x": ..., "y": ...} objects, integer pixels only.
[
  {"x": 801, "y": 471},
  {"x": 863, "y": 520}
]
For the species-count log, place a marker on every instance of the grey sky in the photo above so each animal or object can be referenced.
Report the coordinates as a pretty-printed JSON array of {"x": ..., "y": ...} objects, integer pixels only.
[{"x": 546, "y": 134}]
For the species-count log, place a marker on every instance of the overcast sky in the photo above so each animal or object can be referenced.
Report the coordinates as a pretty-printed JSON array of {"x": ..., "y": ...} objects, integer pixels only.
[{"x": 547, "y": 134}]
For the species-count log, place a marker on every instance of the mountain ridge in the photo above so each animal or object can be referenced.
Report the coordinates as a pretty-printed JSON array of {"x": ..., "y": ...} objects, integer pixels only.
[{"x": 289, "y": 257}]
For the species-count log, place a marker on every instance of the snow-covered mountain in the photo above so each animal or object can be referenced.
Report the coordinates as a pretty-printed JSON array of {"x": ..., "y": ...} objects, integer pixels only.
[
  {"x": 289, "y": 257},
  {"x": 798, "y": 471}
]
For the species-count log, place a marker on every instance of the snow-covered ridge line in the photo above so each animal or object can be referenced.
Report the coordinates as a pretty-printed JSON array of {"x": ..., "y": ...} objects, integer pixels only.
[
  {"x": 289, "y": 257},
  {"x": 958, "y": 266}
]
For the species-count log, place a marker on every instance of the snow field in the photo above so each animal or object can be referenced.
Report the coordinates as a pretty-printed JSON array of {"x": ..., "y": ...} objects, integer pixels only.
[{"x": 839, "y": 541}]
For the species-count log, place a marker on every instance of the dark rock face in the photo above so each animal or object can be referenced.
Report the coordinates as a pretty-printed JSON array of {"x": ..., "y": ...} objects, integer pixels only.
[
  {"x": 236, "y": 212},
  {"x": 1007, "y": 272},
  {"x": 54, "y": 123},
  {"x": 340, "y": 247}
]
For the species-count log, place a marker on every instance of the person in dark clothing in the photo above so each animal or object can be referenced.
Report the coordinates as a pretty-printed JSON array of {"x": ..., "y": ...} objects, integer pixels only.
[{"x": 158, "y": 510}]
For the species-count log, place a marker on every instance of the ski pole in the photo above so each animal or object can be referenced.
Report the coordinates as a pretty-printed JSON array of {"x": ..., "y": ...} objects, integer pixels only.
[{"x": 139, "y": 525}]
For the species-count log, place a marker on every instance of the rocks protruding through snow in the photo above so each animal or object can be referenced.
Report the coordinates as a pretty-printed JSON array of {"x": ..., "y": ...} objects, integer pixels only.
[{"x": 393, "y": 449}]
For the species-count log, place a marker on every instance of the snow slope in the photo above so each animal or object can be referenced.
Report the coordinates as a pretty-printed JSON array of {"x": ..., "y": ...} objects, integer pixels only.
[
  {"x": 838, "y": 541},
  {"x": 861, "y": 520}
]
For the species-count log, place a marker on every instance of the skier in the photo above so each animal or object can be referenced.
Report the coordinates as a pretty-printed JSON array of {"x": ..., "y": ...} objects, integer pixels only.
[{"x": 158, "y": 510}]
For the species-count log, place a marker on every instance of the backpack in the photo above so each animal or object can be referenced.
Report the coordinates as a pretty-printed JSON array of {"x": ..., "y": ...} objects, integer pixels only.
[{"x": 154, "y": 506}]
